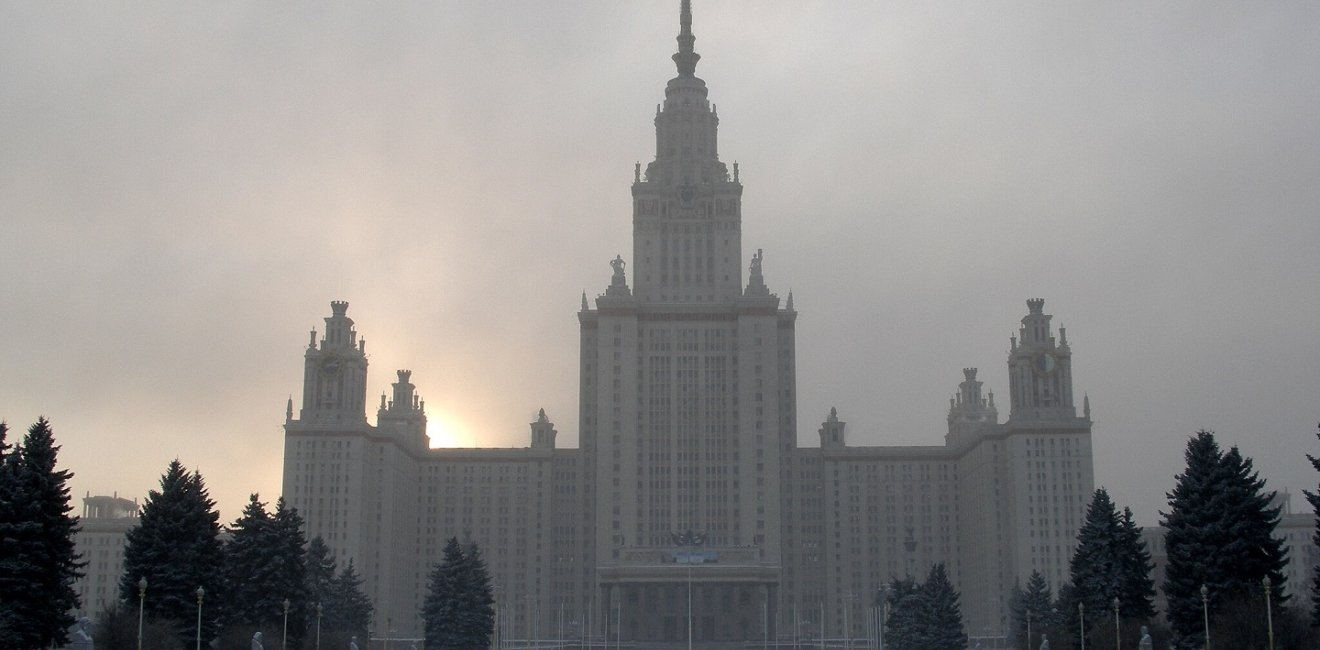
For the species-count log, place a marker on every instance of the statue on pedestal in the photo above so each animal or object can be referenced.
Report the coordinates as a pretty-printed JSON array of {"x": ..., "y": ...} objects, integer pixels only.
[
  {"x": 1145, "y": 643},
  {"x": 256, "y": 641},
  {"x": 1044, "y": 642}
]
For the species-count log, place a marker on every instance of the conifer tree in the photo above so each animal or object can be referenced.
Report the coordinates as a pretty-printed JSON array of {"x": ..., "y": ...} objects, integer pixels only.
[
  {"x": 1314, "y": 499},
  {"x": 38, "y": 561},
  {"x": 943, "y": 624},
  {"x": 251, "y": 599},
  {"x": 9, "y": 525},
  {"x": 352, "y": 608},
  {"x": 320, "y": 569},
  {"x": 443, "y": 607},
  {"x": 1137, "y": 591},
  {"x": 1220, "y": 533},
  {"x": 176, "y": 547},
  {"x": 1111, "y": 561},
  {"x": 1037, "y": 601},
  {"x": 906, "y": 604},
  {"x": 289, "y": 545},
  {"x": 478, "y": 622}
]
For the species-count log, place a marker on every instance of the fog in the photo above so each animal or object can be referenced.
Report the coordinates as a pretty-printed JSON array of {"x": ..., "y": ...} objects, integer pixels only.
[{"x": 184, "y": 187}]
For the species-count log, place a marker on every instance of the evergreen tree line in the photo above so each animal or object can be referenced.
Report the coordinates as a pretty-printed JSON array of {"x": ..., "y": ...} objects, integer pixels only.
[
  {"x": 38, "y": 562},
  {"x": 1219, "y": 533},
  {"x": 265, "y": 578}
]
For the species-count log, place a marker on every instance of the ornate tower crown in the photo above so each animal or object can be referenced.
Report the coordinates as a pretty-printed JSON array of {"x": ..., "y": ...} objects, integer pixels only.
[
  {"x": 1036, "y": 305},
  {"x": 339, "y": 307}
]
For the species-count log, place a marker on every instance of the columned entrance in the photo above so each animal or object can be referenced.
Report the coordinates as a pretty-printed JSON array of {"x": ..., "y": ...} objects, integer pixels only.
[{"x": 719, "y": 601}]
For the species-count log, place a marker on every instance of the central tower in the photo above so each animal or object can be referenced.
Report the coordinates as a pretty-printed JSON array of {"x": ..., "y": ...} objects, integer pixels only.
[
  {"x": 687, "y": 395},
  {"x": 686, "y": 208}
]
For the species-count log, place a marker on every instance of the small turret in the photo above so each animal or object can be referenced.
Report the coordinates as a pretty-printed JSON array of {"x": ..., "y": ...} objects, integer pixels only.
[
  {"x": 832, "y": 431},
  {"x": 969, "y": 413},
  {"x": 543, "y": 432}
]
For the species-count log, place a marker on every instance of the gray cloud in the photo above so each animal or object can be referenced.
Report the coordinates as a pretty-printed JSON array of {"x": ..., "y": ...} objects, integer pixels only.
[{"x": 184, "y": 187}]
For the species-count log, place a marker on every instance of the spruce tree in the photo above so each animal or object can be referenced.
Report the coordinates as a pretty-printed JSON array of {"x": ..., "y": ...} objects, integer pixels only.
[
  {"x": 1220, "y": 533},
  {"x": 1314, "y": 499},
  {"x": 1095, "y": 566},
  {"x": 478, "y": 621},
  {"x": 176, "y": 547},
  {"x": 906, "y": 607},
  {"x": 352, "y": 608},
  {"x": 251, "y": 599},
  {"x": 1111, "y": 561},
  {"x": 1037, "y": 601},
  {"x": 943, "y": 624},
  {"x": 319, "y": 570},
  {"x": 442, "y": 611},
  {"x": 9, "y": 526},
  {"x": 39, "y": 563},
  {"x": 1137, "y": 591},
  {"x": 287, "y": 552}
]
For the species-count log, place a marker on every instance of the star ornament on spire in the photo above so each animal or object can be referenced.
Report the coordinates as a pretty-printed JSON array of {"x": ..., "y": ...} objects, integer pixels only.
[{"x": 686, "y": 58}]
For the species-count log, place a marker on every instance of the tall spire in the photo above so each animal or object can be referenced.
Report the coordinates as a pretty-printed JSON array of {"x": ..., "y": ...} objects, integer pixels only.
[{"x": 686, "y": 59}]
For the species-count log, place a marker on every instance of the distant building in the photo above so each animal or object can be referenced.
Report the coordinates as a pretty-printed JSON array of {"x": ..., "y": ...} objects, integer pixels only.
[
  {"x": 687, "y": 476},
  {"x": 100, "y": 542}
]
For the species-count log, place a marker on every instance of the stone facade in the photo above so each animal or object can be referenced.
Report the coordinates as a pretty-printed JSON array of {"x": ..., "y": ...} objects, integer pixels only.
[
  {"x": 100, "y": 541},
  {"x": 688, "y": 500}
]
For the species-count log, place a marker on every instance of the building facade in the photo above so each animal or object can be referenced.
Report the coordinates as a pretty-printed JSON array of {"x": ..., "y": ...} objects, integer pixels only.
[
  {"x": 688, "y": 506},
  {"x": 102, "y": 534}
]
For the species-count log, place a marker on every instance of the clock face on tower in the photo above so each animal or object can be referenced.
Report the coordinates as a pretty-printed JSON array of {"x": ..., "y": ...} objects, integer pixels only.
[{"x": 1044, "y": 363}]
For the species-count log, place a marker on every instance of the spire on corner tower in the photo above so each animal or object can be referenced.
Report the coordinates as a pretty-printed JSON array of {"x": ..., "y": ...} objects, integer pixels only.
[{"x": 686, "y": 58}]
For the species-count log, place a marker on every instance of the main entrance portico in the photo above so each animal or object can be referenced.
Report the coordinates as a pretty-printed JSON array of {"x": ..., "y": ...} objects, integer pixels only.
[{"x": 725, "y": 595}]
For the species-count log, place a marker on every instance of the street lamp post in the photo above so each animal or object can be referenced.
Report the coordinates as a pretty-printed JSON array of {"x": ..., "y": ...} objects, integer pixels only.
[
  {"x": 1081, "y": 624},
  {"x": 200, "y": 592},
  {"x": 1118, "y": 643},
  {"x": 285, "y": 643},
  {"x": 319, "y": 611},
  {"x": 1205, "y": 612},
  {"x": 1269, "y": 609},
  {"x": 142, "y": 599}
]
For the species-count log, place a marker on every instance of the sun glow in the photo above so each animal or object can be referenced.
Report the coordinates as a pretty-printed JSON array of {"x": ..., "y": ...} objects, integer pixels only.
[{"x": 445, "y": 432}]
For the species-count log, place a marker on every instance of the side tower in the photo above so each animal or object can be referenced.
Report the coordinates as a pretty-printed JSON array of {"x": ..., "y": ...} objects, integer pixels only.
[
  {"x": 335, "y": 373},
  {"x": 1040, "y": 370},
  {"x": 1048, "y": 450}
]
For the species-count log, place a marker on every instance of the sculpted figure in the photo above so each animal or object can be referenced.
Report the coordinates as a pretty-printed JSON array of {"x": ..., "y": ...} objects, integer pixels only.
[
  {"x": 256, "y": 641},
  {"x": 1044, "y": 643},
  {"x": 617, "y": 263},
  {"x": 352, "y": 644},
  {"x": 1145, "y": 643}
]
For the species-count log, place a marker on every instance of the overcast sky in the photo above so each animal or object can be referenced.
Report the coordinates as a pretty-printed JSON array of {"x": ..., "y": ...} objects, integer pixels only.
[{"x": 185, "y": 186}]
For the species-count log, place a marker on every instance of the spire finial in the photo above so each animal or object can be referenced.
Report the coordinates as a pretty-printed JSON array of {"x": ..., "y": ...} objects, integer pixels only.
[{"x": 686, "y": 58}]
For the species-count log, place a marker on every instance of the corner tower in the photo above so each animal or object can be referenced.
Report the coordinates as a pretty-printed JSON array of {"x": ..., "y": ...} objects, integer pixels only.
[
  {"x": 1040, "y": 369},
  {"x": 335, "y": 374}
]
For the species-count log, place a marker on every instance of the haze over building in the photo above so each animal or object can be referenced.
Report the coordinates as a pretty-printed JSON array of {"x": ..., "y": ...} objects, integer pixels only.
[{"x": 687, "y": 469}]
